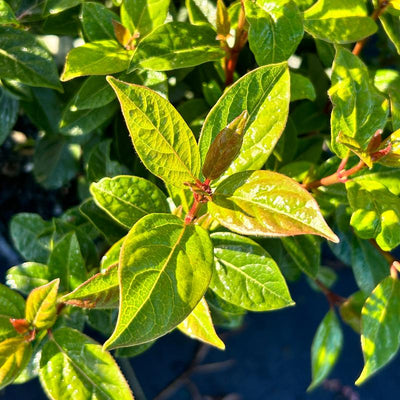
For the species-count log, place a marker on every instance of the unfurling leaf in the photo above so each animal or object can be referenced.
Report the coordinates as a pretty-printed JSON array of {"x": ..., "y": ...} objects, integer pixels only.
[
  {"x": 123, "y": 35},
  {"x": 165, "y": 269},
  {"x": 268, "y": 204},
  {"x": 223, "y": 21},
  {"x": 225, "y": 148},
  {"x": 392, "y": 143}
]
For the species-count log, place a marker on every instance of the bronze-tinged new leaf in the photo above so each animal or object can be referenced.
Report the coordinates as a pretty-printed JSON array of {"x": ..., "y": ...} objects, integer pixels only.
[
  {"x": 122, "y": 34},
  {"x": 225, "y": 148},
  {"x": 266, "y": 203}
]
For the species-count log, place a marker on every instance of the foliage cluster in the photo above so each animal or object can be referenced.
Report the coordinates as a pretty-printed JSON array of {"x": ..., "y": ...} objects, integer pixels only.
[{"x": 259, "y": 135}]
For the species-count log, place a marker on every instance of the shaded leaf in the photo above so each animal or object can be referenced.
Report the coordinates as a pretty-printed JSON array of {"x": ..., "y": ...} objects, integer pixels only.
[
  {"x": 12, "y": 305},
  {"x": 301, "y": 87},
  {"x": 8, "y": 111},
  {"x": 350, "y": 310}
]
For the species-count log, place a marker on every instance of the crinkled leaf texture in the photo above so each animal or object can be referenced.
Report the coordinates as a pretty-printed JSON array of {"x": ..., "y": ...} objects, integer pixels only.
[
  {"x": 339, "y": 21},
  {"x": 161, "y": 137},
  {"x": 276, "y": 29},
  {"x": 128, "y": 198},
  {"x": 266, "y": 203},
  {"x": 75, "y": 367},
  {"x": 325, "y": 348},
  {"x": 358, "y": 109},
  {"x": 199, "y": 325},
  {"x": 246, "y": 275},
  {"x": 376, "y": 212},
  {"x": 265, "y": 94},
  {"x": 165, "y": 268},
  {"x": 380, "y": 327}
]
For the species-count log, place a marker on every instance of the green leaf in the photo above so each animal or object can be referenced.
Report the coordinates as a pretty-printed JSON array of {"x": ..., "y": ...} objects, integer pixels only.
[
  {"x": 265, "y": 94},
  {"x": 165, "y": 269},
  {"x": 23, "y": 58},
  {"x": 133, "y": 351},
  {"x": 66, "y": 262},
  {"x": 8, "y": 113},
  {"x": 111, "y": 230},
  {"x": 95, "y": 92},
  {"x": 78, "y": 122},
  {"x": 96, "y": 21},
  {"x": 388, "y": 81},
  {"x": 14, "y": 356},
  {"x": 112, "y": 255},
  {"x": 161, "y": 137},
  {"x": 199, "y": 325},
  {"x": 27, "y": 276},
  {"x": 99, "y": 291},
  {"x": 55, "y": 162},
  {"x": 31, "y": 236},
  {"x": 128, "y": 198},
  {"x": 41, "y": 305},
  {"x": 305, "y": 252},
  {"x": 350, "y": 310},
  {"x": 301, "y": 88},
  {"x": 392, "y": 159},
  {"x": 53, "y": 7},
  {"x": 101, "y": 57},
  {"x": 143, "y": 15},
  {"x": 325, "y": 349},
  {"x": 269, "y": 204},
  {"x": 7, "y": 15},
  {"x": 100, "y": 164},
  {"x": 391, "y": 25},
  {"x": 369, "y": 266},
  {"x": 176, "y": 45},
  {"x": 246, "y": 275},
  {"x": 64, "y": 371},
  {"x": 359, "y": 110},
  {"x": 376, "y": 212},
  {"x": 201, "y": 12},
  {"x": 12, "y": 305},
  {"x": 276, "y": 29},
  {"x": 339, "y": 21},
  {"x": 380, "y": 327}
]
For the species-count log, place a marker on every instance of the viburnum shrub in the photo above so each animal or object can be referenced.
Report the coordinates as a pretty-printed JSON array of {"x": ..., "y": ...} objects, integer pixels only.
[{"x": 261, "y": 130}]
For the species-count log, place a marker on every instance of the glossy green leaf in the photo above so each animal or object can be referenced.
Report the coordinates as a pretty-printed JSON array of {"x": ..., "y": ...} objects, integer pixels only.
[
  {"x": 99, "y": 291},
  {"x": 165, "y": 269},
  {"x": 66, "y": 262},
  {"x": 8, "y": 113},
  {"x": 269, "y": 204},
  {"x": 267, "y": 119},
  {"x": 391, "y": 25},
  {"x": 41, "y": 305},
  {"x": 31, "y": 236},
  {"x": 177, "y": 45},
  {"x": 143, "y": 16},
  {"x": 128, "y": 198},
  {"x": 359, "y": 110},
  {"x": 7, "y": 15},
  {"x": 246, "y": 275},
  {"x": 56, "y": 6},
  {"x": 12, "y": 305},
  {"x": 380, "y": 327},
  {"x": 64, "y": 371},
  {"x": 110, "y": 229},
  {"x": 55, "y": 162},
  {"x": 339, "y": 21},
  {"x": 305, "y": 252},
  {"x": 14, "y": 356},
  {"x": 112, "y": 255},
  {"x": 101, "y": 57},
  {"x": 276, "y": 29},
  {"x": 27, "y": 276},
  {"x": 161, "y": 137},
  {"x": 199, "y": 325},
  {"x": 325, "y": 349},
  {"x": 23, "y": 58},
  {"x": 201, "y": 11},
  {"x": 301, "y": 87},
  {"x": 369, "y": 266},
  {"x": 376, "y": 212},
  {"x": 96, "y": 21},
  {"x": 388, "y": 81}
]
